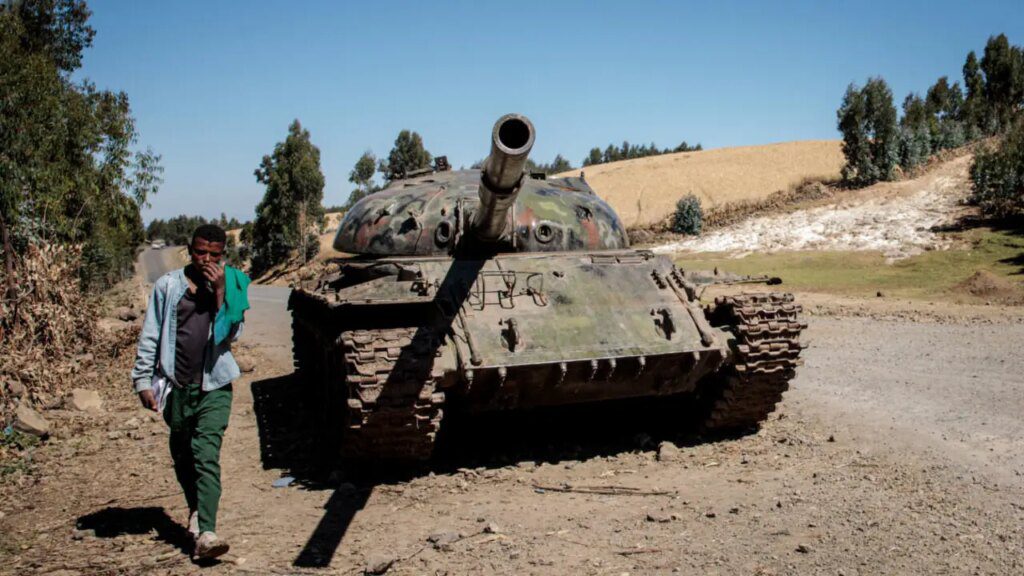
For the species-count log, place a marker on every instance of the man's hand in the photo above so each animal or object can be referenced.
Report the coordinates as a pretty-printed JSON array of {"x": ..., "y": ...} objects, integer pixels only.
[
  {"x": 148, "y": 400},
  {"x": 215, "y": 274}
]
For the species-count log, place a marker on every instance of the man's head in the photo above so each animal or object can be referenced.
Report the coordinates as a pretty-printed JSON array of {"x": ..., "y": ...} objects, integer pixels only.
[{"x": 207, "y": 245}]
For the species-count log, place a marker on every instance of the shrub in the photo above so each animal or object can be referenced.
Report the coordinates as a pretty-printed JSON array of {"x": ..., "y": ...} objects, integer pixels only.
[
  {"x": 689, "y": 216},
  {"x": 997, "y": 177}
]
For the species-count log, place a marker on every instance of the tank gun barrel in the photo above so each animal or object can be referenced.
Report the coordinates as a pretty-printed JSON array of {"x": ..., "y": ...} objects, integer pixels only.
[{"x": 501, "y": 175}]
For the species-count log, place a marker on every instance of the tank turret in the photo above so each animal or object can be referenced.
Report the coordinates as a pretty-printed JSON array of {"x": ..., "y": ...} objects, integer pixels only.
[{"x": 502, "y": 175}]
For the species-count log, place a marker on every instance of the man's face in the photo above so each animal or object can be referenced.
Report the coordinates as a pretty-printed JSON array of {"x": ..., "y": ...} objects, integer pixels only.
[{"x": 204, "y": 252}]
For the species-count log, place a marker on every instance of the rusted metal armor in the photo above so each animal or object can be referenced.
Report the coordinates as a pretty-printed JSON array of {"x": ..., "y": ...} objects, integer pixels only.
[{"x": 509, "y": 291}]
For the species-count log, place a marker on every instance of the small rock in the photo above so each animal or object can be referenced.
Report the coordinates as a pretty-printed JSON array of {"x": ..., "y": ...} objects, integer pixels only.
[
  {"x": 245, "y": 364},
  {"x": 734, "y": 510},
  {"x": 492, "y": 528},
  {"x": 126, "y": 314},
  {"x": 283, "y": 482},
  {"x": 831, "y": 438},
  {"x": 136, "y": 434},
  {"x": 86, "y": 358},
  {"x": 659, "y": 517},
  {"x": 668, "y": 452},
  {"x": 77, "y": 534},
  {"x": 29, "y": 421},
  {"x": 85, "y": 400},
  {"x": 115, "y": 435},
  {"x": 378, "y": 564},
  {"x": 17, "y": 389},
  {"x": 879, "y": 294},
  {"x": 803, "y": 548},
  {"x": 710, "y": 514},
  {"x": 526, "y": 465},
  {"x": 444, "y": 540},
  {"x": 132, "y": 423}
]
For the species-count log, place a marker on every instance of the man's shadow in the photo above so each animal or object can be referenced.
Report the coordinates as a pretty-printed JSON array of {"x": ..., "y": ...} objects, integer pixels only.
[{"x": 113, "y": 522}]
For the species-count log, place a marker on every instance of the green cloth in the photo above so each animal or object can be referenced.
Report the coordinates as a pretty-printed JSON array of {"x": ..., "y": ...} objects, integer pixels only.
[
  {"x": 198, "y": 420},
  {"x": 236, "y": 302}
]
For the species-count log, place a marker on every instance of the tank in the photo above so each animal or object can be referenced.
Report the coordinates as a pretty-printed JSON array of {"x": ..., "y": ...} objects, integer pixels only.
[{"x": 494, "y": 289}]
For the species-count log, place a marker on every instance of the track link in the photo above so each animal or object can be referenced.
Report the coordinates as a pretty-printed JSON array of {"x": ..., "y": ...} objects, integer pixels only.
[
  {"x": 766, "y": 351},
  {"x": 394, "y": 409}
]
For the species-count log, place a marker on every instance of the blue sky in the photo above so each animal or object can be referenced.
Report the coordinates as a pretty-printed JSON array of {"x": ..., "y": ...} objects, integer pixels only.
[{"x": 214, "y": 84}]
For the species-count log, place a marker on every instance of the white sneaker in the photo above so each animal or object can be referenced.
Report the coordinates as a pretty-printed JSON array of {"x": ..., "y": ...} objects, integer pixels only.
[
  {"x": 209, "y": 546},
  {"x": 193, "y": 525}
]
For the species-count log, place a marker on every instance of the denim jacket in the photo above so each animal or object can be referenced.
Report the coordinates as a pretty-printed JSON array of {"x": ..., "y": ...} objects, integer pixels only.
[{"x": 157, "y": 341}]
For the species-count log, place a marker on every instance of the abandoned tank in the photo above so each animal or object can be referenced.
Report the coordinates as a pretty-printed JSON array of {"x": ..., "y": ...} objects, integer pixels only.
[{"x": 495, "y": 289}]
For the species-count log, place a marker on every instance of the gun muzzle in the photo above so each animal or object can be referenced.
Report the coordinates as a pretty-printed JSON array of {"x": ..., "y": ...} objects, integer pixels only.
[{"x": 502, "y": 175}]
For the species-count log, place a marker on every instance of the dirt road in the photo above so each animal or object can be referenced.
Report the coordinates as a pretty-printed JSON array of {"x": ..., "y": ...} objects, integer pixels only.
[{"x": 897, "y": 451}]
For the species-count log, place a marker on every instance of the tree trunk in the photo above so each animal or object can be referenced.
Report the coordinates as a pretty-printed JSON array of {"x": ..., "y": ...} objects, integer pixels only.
[
  {"x": 302, "y": 231},
  {"x": 8, "y": 259}
]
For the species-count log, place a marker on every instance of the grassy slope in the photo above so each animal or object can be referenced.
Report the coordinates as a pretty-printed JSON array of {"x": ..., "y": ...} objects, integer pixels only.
[
  {"x": 645, "y": 190},
  {"x": 932, "y": 275}
]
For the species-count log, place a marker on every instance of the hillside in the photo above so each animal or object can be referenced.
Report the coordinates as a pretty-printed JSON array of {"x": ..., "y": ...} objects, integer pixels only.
[{"x": 644, "y": 190}]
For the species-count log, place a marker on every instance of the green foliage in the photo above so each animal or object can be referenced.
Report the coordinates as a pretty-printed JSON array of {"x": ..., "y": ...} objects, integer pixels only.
[
  {"x": 67, "y": 170},
  {"x": 867, "y": 120},
  {"x": 997, "y": 176},
  {"x": 557, "y": 166},
  {"x": 943, "y": 100},
  {"x": 915, "y": 146},
  {"x": 407, "y": 155},
  {"x": 362, "y": 176},
  {"x": 233, "y": 252},
  {"x": 1003, "y": 66},
  {"x": 688, "y": 217},
  {"x": 629, "y": 151},
  {"x": 175, "y": 231},
  {"x": 291, "y": 206}
]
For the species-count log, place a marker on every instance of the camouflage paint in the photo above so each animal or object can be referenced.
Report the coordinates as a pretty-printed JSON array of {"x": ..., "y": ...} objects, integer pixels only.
[{"x": 549, "y": 216}]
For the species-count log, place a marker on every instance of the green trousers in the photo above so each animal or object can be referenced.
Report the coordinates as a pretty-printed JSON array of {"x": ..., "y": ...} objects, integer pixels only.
[{"x": 198, "y": 420}]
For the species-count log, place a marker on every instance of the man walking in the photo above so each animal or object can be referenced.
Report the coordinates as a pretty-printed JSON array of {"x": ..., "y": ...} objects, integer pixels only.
[{"x": 194, "y": 314}]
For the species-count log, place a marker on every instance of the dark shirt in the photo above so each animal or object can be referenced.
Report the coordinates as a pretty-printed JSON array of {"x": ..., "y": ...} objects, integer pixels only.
[{"x": 195, "y": 313}]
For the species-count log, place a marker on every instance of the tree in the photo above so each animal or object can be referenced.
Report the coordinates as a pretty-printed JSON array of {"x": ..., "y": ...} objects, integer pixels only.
[
  {"x": 852, "y": 120},
  {"x": 291, "y": 205},
  {"x": 867, "y": 120},
  {"x": 915, "y": 132},
  {"x": 69, "y": 174},
  {"x": 407, "y": 155},
  {"x": 594, "y": 157},
  {"x": 973, "y": 112},
  {"x": 362, "y": 176},
  {"x": 1003, "y": 66},
  {"x": 559, "y": 165},
  {"x": 882, "y": 128}
]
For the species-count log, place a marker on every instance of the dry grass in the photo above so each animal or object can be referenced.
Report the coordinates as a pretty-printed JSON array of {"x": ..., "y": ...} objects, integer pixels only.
[{"x": 644, "y": 191}]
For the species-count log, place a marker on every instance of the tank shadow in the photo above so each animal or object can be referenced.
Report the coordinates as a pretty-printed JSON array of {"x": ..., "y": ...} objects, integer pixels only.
[{"x": 289, "y": 442}]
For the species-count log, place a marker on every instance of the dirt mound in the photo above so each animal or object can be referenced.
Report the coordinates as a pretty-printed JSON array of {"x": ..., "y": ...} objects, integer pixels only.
[{"x": 992, "y": 288}]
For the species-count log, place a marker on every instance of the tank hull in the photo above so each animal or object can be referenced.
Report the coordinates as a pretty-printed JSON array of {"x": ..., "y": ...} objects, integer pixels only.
[{"x": 410, "y": 336}]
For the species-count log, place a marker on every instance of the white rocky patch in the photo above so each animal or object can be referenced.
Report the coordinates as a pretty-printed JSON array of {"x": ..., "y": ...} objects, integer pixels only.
[{"x": 898, "y": 226}]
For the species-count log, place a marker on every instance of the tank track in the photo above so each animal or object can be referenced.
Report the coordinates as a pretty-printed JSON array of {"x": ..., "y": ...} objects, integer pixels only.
[
  {"x": 766, "y": 353},
  {"x": 394, "y": 409}
]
